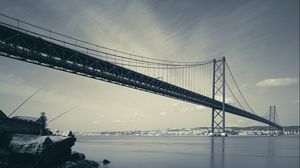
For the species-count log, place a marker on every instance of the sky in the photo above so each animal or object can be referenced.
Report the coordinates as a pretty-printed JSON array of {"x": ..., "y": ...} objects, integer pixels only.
[{"x": 260, "y": 40}]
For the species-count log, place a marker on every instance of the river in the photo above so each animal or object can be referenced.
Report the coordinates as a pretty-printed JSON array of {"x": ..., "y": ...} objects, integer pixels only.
[{"x": 192, "y": 152}]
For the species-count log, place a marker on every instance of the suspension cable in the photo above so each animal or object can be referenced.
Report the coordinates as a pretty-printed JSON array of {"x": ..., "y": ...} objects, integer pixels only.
[
  {"x": 234, "y": 95},
  {"x": 239, "y": 88}
]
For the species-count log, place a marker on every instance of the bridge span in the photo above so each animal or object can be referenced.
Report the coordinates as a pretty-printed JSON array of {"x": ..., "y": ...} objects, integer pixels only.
[{"x": 48, "y": 51}]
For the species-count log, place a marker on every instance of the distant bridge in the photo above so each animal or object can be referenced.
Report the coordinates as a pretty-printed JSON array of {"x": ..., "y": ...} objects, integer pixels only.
[{"x": 192, "y": 82}]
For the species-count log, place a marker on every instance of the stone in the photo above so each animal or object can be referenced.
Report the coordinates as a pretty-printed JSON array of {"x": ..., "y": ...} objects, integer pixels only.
[
  {"x": 87, "y": 164},
  {"x": 70, "y": 134},
  {"x": 2, "y": 115},
  {"x": 48, "y": 142},
  {"x": 46, "y": 150},
  {"x": 69, "y": 164},
  {"x": 76, "y": 156},
  {"x": 15, "y": 125},
  {"x": 24, "y": 145},
  {"x": 79, "y": 164},
  {"x": 105, "y": 161}
]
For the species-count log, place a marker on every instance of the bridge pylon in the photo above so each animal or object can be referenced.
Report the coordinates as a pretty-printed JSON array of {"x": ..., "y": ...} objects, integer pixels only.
[
  {"x": 218, "y": 92},
  {"x": 273, "y": 117}
]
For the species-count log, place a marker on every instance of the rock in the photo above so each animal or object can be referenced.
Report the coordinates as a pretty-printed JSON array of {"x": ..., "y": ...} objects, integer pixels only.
[
  {"x": 4, "y": 140},
  {"x": 4, "y": 162},
  {"x": 79, "y": 164},
  {"x": 48, "y": 142},
  {"x": 76, "y": 156},
  {"x": 105, "y": 161},
  {"x": 38, "y": 145},
  {"x": 24, "y": 145},
  {"x": 45, "y": 150},
  {"x": 15, "y": 125},
  {"x": 25, "y": 118},
  {"x": 70, "y": 134},
  {"x": 69, "y": 164},
  {"x": 87, "y": 164},
  {"x": 2, "y": 115}
]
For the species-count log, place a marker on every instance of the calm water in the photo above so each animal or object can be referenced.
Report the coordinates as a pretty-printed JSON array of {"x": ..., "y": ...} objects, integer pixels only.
[{"x": 192, "y": 152}]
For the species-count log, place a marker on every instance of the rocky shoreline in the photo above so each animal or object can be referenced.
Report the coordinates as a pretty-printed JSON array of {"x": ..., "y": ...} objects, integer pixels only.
[
  {"x": 29, "y": 144},
  {"x": 34, "y": 151}
]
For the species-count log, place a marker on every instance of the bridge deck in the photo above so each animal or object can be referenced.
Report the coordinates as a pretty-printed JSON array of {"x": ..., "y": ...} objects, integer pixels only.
[{"x": 30, "y": 47}]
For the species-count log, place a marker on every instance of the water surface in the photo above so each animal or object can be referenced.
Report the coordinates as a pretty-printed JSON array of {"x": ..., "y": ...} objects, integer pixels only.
[{"x": 192, "y": 152}]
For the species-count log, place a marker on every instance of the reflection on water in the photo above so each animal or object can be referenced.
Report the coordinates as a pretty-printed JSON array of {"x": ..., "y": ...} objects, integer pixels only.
[
  {"x": 192, "y": 152},
  {"x": 218, "y": 154},
  {"x": 216, "y": 159}
]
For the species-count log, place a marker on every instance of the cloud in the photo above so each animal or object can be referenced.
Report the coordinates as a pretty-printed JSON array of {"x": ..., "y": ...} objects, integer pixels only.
[
  {"x": 273, "y": 82},
  {"x": 163, "y": 113},
  {"x": 14, "y": 85},
  {"x": 175, "y": 104},
  {"x": 198, "y": 107},
  {"x": 95, "y": 122},
  {"x": 137, "y": 114},
  {"x": 229, "y": 100},
  {"x": 185, "y": 109},
  {"x": 118, "y": 121},
  {"x": 241, "y": 121}
]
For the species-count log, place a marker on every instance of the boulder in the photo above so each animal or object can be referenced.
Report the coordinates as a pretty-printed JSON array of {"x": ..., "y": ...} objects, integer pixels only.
[
  {"x": 80, "y": 164},
  {"x": 16, "y": 125},
  {"x": 46, "y": 150},
  {"x": 87, "y": 164},
  {"x": 69, "y": 164},
  {"x": 70, "y": 134},
  {"x": 105, "y": 161},
  {"x": 76, "y": 156},
  {"x": 2, "y": 115}
]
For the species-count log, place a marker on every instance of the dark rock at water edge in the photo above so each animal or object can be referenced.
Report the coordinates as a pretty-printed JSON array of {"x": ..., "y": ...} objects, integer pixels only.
[
  {"x": 26, "y": 143},
  {"x": 79, "y": 164},
  {"x": 105, "y": 161},
  {"x": 76, "y": 156}
]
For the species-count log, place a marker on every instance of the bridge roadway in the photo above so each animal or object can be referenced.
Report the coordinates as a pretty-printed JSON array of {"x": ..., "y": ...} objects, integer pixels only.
[{"x": 30, "y": 47}]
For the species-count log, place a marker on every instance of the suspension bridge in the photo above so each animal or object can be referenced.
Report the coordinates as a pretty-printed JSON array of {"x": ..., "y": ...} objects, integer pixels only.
[{"x": 202, "y": 83}]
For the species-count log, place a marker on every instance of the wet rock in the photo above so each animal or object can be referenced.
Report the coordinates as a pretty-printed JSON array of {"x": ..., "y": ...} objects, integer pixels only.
[
  {"x": 4, "y": 161},
  {"x": 105, "y": 161},
  {"x": 87, "y": 164},
  {"x": 80, "y": 164},
  {"x": 76, "y": 156},
  {"x": 40, "y": 145},
  {"x": 23, "y": 146},
  {"x": 69, "y": 164},
  {"x": 43, "y": 150},
  {"x": 4, "y": 140}
]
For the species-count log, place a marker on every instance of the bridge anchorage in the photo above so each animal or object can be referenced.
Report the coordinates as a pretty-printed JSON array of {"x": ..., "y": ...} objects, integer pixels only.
[{"x": 200, "y": 83}]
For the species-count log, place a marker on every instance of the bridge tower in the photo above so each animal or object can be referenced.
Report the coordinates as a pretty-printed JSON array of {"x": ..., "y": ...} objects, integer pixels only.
[
  {"x": 218, "y": 92},
  {"x": 273, "y": 117}
]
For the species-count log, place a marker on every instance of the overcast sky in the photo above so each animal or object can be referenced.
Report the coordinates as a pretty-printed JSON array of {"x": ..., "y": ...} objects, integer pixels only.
[{"x": 260, "y": 40}]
